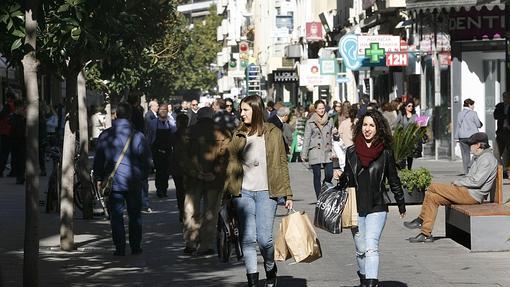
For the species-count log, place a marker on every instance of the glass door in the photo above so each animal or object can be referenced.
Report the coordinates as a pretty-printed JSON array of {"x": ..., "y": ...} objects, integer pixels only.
[{"x": 494, "y": 75}]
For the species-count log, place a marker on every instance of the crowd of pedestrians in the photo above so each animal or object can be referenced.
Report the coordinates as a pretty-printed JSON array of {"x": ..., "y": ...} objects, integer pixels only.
[{"x": 214, "y": 152}]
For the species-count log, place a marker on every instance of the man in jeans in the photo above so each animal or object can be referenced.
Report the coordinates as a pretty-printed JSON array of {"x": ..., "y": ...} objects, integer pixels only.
[
  {"x": 469, "y": 189},
  {"x": 128, "y": 178},
  {"x": 204, "y": 177}
]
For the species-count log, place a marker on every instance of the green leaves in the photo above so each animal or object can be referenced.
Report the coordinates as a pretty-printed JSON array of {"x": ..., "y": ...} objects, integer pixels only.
[
  {"x": 16, "y": 44},
  {"x": 75, "y": 33},
  {"x": 415, "y": 179},
  {"x": 405, "y": 141}
]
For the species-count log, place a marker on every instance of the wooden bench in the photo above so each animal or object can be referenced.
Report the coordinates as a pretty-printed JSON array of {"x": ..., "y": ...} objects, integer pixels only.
[{"x": 481, "y": 227}]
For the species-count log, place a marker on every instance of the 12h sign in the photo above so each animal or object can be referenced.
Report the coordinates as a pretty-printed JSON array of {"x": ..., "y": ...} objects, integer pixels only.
[{"x": 397, "y": 59}]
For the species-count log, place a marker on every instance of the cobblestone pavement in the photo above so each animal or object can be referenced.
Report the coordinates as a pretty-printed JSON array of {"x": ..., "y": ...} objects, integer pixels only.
[{"x": 440, "y": 264}]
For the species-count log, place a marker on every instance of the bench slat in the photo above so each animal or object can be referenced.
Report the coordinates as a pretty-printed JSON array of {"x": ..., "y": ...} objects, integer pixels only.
[{"x": 484, "y": 209}]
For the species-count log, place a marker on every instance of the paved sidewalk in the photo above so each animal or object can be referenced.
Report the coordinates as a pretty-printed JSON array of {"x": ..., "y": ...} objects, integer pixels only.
[{"x": 443, "y": 263}]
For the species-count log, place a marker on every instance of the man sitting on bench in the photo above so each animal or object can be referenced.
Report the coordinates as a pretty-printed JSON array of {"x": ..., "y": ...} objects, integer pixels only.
[{"x": 469, "y": 189}]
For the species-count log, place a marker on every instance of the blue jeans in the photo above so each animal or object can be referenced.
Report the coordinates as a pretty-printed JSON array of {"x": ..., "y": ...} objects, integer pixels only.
[
  {"x": 256, "y": 212},
  {"x": 116, "y": 205},
  {"x": 366, "y": 240},
  {"x": 328, "y": 175}
]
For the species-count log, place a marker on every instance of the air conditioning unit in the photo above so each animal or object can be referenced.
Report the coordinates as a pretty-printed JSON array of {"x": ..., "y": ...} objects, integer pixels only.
[{"x": 293, "y": 51}]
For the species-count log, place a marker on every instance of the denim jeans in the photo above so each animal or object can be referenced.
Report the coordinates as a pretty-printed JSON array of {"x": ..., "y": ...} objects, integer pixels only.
[
  {"x": 116, "y": 205},
  {"x": 366, "y": 240},
  {"x": 328, "y": 175},
  {"x": 256, "y": 212}
]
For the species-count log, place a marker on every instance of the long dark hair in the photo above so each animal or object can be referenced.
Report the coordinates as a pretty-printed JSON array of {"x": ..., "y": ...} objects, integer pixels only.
[
  {"x": 382, "y": 127},
  {"x": 257, "y": 116}
]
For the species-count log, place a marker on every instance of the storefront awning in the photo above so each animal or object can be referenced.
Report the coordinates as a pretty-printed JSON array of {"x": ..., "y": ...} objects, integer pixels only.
[{"x": 430, "y": 5}]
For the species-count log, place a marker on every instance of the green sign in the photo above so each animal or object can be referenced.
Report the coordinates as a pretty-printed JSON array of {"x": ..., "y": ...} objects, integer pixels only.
[{"x": 375, "y": 53}]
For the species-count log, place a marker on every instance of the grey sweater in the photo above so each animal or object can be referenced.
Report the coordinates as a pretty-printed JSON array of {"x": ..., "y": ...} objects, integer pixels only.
[
  {"x": 481, "y": 175},
  {"x": 468, "y": 123}
]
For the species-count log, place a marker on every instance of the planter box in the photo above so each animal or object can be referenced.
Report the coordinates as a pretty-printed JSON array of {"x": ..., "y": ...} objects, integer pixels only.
[{"x": 415, "y": 197}]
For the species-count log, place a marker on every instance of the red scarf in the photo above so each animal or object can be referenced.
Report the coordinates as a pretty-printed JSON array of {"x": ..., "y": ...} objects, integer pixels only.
[{"x": 367, "y": 155}]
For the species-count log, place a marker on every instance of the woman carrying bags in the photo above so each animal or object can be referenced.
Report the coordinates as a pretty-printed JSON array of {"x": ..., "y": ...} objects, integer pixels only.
[
  {"x": 317, "y": 145},
  {"x": 369, "y": 163},
  {"x": 257, "y": 175}
]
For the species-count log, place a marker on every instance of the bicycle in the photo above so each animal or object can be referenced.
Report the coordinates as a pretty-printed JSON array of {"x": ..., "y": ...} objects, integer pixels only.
[{"x": 99, "y": 202}]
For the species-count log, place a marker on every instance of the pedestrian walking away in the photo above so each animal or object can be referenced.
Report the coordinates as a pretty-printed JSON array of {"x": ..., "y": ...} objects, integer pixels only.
[
  {"x": 369, "y": 163},
  {"x": 318, "y": 145},
  {"x": 127, "y": 183},
  {"x": 468, "y": 124},
  {"x": 469, "y": 189},
  {"x": 257, "y": 175},
  {"x": 160, "y": 137}
]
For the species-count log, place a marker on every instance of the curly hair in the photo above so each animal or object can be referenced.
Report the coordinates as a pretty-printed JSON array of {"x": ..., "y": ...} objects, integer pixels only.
[{"x": 382, "y": 127}]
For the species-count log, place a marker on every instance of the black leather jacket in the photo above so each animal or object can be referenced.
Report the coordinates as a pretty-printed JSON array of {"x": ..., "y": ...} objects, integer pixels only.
[{"x": 380, "y": 169}]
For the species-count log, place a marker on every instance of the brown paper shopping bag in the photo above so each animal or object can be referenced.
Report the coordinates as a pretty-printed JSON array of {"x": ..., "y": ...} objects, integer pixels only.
[
  {"x": 350, "y": 213},
  {"x": 301, "y": 238},
  {"x": 281, "y": 251}
]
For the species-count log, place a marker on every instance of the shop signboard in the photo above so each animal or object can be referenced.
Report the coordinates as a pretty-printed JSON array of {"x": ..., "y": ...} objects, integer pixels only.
[
  {"x": 329, "y": 66},
  {"x": 285, "y": 76},
  {"x": 413, "y": 4},
  {"x": 309, "y": 74},
  {"x": 474, "y": 24},
  {"x": 397, "y": 59},
  {"x": 314, "y": 31},
  {"x": 389, "y": 43}
]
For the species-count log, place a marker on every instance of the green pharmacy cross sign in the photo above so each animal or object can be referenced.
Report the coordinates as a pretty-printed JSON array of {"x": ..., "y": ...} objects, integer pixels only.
[{"x": 375, "y": 53}]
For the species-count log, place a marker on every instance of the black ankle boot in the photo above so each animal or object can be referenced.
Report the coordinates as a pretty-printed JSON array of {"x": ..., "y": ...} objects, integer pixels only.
[
  {"x": 370, "y": 283},
  {"x": 253, "y": 279},
  {"x": 271, "y": 277},
  {"x": 361, "y": 278}
]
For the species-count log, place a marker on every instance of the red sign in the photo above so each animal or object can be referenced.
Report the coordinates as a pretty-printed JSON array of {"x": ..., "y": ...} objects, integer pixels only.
[
  {"x": 397, "y": 59},
  {"x": 314, "y": 31},
  {"x": 403, "y": 45}
]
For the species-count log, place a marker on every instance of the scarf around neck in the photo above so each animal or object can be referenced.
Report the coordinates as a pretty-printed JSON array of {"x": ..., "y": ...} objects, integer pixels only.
[
  {"x": 367, "y": 155},
  {"x": 320, "y": 121}
]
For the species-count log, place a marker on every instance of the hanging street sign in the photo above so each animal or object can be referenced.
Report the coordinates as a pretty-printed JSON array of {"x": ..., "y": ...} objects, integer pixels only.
[
  {"x": 397, "y": 59},
  {"x": 389, "y": 43}
]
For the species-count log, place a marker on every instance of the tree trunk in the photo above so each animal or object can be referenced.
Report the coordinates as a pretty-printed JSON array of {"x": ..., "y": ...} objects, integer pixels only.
[
  {"x": 67, "y": 192},
  {"x": 31, "y": 241},
  {"x": 85, "y": 190}
]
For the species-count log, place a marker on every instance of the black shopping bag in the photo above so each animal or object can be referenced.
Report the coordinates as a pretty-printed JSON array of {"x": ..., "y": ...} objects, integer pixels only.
[{"x": 329, "y": 207}]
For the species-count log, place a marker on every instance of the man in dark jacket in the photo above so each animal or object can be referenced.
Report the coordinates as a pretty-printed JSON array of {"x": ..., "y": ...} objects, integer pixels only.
[
  {"x": 137, "y": 115},
  {"x": 128, "y": 178},
  {"x": 279, "y": 119},
  {"x": 502, "y": 115},
  {"x": 160, "y": 135}
]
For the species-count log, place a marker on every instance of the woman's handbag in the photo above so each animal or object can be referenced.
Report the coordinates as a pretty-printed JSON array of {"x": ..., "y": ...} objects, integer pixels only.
[
  {"x": 350, "y": 213},
  {"x": 329, "y": 208},
  {"x": 228, "y": 236},
  {"x": 301, "y": 239}
]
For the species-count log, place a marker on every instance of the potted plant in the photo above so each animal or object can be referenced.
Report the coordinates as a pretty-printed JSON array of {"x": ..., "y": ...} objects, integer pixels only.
[
  {"x": 405, "y": 141},
  {"x": 415, "y": 182}
]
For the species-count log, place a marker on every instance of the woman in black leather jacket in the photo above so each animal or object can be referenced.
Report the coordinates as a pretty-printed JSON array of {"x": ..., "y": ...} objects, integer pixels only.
[{"x": 369, "y": 164}]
